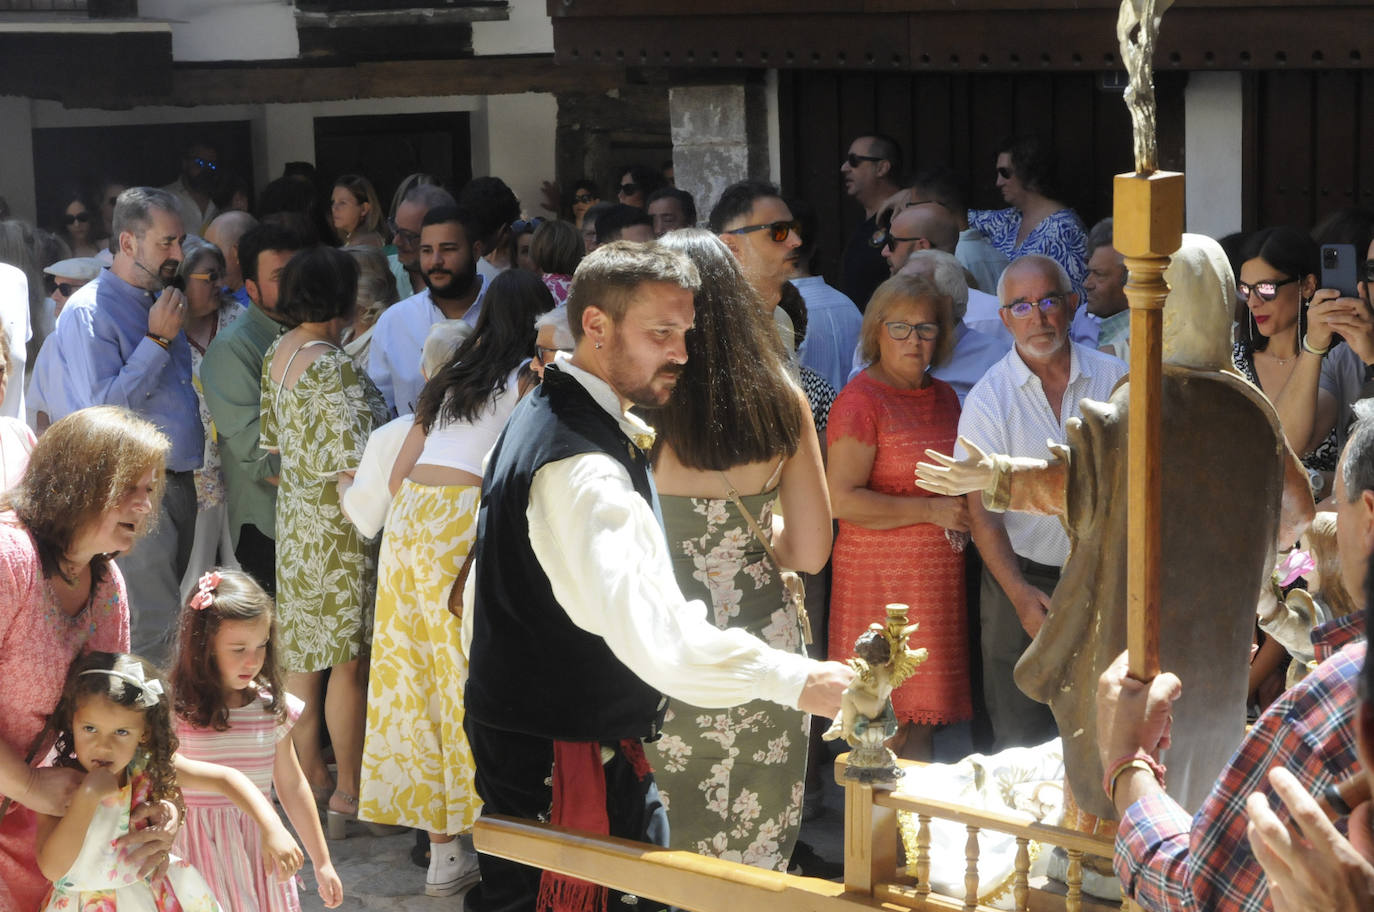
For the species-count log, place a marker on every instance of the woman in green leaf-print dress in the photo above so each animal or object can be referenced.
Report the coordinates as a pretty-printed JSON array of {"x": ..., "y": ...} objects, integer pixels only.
[
  {"x": 318, "y": 409},
  {"x": 732, "y": 779}
]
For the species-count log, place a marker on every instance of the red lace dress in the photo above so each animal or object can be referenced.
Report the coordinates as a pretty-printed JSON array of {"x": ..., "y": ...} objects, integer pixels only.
[{"x": 914, "y": 565}]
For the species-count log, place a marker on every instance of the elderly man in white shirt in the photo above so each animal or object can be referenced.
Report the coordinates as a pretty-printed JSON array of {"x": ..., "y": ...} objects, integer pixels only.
[
  {"x": 1023, "y": 401},
  {"x": 579, "y": 629}
]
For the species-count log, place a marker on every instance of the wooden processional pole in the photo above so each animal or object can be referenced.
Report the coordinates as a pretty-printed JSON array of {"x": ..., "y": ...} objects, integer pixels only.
[{"x": 1147, "y": 227}]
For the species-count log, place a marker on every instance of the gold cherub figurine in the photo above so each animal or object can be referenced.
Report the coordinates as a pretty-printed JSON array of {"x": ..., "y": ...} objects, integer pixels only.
[{"x": 882, "y": 662}]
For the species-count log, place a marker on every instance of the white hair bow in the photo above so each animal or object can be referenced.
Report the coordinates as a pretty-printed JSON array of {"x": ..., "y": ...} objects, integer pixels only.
[{"x": 149, "y": 692}]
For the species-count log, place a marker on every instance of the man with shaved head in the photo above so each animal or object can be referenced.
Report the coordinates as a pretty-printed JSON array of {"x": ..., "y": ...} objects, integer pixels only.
[{"x": 224, "y": 232}]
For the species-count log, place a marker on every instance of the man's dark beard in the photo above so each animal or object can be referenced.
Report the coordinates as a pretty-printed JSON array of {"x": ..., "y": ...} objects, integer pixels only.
[{"x": 458, "y": 287}]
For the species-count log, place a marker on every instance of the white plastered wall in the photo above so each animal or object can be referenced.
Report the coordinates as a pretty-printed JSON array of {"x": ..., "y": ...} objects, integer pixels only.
[
  {"x": 512, "y": 135},
  {"x": 1213, "y": 119},
  {"x": 210, "y": 30}
]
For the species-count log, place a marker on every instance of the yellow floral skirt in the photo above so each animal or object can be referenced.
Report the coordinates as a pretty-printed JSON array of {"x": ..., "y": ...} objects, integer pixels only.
[{"x": 417, "y": 767}]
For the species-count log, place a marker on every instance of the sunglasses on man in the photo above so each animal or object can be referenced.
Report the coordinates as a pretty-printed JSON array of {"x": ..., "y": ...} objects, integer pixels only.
[
  {"x": 629, "y": 189},
  {"x": 854, "y": 160},
  {"x": 778, "y": 231}
]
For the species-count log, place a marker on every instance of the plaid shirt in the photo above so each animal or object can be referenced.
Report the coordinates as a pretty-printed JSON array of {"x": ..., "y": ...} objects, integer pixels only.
[{"x": 1168, "y": 862}]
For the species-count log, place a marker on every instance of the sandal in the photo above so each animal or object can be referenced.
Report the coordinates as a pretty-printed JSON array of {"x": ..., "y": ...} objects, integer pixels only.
[{"x": 336, "y": 822}]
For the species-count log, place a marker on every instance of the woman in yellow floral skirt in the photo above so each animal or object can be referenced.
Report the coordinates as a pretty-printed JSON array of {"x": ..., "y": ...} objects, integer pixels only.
[{"x": 417, "y": 768}]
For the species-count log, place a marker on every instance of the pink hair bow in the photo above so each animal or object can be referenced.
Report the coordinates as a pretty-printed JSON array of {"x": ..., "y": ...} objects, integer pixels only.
[{"x": 205, "y": 591}]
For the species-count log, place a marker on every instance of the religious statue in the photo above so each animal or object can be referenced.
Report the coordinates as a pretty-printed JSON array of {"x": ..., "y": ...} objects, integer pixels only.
[
  {"x": 881, "y": 662},
  {"x": 1225, "y": 471}
]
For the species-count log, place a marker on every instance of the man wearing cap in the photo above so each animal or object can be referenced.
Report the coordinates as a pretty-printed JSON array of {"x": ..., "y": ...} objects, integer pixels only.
[{"x": 55, "y": 383}]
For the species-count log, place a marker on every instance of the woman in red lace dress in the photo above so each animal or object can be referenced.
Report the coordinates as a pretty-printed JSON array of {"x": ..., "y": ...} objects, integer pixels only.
[{"x": 892, "y": 545}]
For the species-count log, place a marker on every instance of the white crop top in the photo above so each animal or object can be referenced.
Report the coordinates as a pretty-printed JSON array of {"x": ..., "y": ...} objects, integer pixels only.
[{"x": 464, "y": 445}]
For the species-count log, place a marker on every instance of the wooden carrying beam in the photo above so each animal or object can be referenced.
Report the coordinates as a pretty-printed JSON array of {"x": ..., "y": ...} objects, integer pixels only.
[
  {"x": 1147, "y": 227},
  {"x": 683, "y": 879}
]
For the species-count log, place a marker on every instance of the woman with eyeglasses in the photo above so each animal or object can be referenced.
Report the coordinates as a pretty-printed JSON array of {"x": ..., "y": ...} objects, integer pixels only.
[
  {"x": 585, "y": 195},
  {"x": 1034, "y": 221},
  {"x": 1285, "y": 346},
  {"x": 78, "y": 224},
  {"x": 209, "y": 308},
  {"x": 898, "y": 543},
  {"x": 736, "y": 448}
]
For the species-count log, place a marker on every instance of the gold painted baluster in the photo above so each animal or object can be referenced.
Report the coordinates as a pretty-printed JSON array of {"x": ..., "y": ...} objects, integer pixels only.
[
  {"x": 922, "y": 855},
  {"x": 971, "y": 870},
  {"x": 1073, "y": 902},
  {"x": 1021, "y": 880}
]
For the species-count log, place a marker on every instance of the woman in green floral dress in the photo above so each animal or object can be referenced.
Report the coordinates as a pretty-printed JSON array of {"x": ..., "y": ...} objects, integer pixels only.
[
  {"x": 732, "y": 779},
  {"x": 318, "y": 409}
]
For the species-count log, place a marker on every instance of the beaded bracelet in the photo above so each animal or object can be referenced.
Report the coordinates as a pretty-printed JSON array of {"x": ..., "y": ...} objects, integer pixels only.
[{"x": 1137, "y": 760}]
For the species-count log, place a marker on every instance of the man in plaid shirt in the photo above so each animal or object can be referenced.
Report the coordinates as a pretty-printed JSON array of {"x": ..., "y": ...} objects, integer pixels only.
[{"x": 1167, "y": 861}]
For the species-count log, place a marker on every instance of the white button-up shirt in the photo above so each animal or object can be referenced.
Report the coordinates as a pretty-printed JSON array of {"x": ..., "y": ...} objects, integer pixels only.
[
  {"x": 398, "y": 340},
  {"x": 1007, "y": 412}
]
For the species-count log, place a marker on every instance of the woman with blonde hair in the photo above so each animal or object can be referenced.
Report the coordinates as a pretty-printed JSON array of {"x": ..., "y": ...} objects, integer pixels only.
[
  {"x": 898, "y": 543},
  {"x": 355, "y": 212},
  {"x": 736, "y": 443},
  {"x": 91, "y": 491}
]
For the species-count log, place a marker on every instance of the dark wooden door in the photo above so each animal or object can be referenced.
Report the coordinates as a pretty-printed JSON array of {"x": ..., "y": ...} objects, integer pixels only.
[
  {"x": 958, "y": 120},
  {"x": 387, "y": 148}
]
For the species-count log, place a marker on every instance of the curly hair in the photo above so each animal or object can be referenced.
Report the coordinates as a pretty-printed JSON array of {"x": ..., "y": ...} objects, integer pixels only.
[
  {"x": 197, "y": 683},
  {"x": 160, "y": 740},
  {"x": 82, "y": 467}
]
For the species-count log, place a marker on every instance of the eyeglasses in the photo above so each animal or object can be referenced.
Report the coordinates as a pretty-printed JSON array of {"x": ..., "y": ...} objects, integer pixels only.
[
  {"x": 401, "y": 235},
  {"x": 855, "y": 160},
  {"x": 890, "y": 240},
  {"x": 213, "y": 276},
  {"x": 68, "y": 289},
  {"x": 207, "y": 165},
  {"x": 926, "y": 332},
  {"x": 778, "y": 231},
  {"x": 1047, "y": 304},
  {"x": 629, "y": 189},
  {"x": 545, "y": 355},
  {"x": 1267, "y": 290},
  {"x": 70, "y": 219},
  {"x": 520, "y": 226},
  {"x": 582, "y": 198},
  {"x": 1005, "y": 173}
]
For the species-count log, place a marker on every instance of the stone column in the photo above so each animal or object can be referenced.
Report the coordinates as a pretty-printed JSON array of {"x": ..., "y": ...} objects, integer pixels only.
[{"x": 720, "y": 136}]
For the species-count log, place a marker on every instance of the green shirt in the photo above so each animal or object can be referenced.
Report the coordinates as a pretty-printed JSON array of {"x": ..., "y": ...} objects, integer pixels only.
[{"x": 232, "y": 377}]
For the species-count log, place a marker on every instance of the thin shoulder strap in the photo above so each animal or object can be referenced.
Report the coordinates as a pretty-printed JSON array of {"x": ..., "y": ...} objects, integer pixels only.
[
  {"x": 286, "y": 370},
  {"x": 753, "y": 523},
  {"x": 774, "y": 478}
]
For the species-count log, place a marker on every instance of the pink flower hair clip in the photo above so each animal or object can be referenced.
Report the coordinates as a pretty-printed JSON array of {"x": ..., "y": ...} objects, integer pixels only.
[{"x": 205, "y": 591}]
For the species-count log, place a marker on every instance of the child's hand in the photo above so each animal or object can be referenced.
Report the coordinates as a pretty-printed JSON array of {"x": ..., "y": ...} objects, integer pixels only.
[
  {"x": 283, "y": 856},
  {"x": 100, "y": 783},
  {"x": 327, "y": 884}
]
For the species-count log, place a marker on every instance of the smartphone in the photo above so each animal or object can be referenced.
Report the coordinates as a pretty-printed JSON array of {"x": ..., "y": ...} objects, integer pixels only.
[{"x": 1340, "y": 269}]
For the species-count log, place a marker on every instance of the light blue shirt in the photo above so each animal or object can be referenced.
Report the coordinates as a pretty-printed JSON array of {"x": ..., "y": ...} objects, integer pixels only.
[
  {"x": 832, "y": 329},
  {"x": 398, "y": 340},
  {"x": 974, "y": 353},
  {"x": 61, "y": 382},
  {"x": 106, "y": 323}
]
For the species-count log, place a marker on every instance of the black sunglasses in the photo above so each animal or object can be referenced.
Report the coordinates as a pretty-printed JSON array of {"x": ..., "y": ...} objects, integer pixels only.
[
  {"x": 69, "y": 219},
  {"x": 1005, "y": 173},
  {"x": 778, "y": 231},
  {"x": 855, "y": 160},
  {"x": 1267, "y": 290},
  {"x": 629, "y": 189},
  {"x": 67, "y": 288},
  {"x": 208, "y": 165},
  {"x": 890, "y": 240},
  {"x": 583, "y": 198}
]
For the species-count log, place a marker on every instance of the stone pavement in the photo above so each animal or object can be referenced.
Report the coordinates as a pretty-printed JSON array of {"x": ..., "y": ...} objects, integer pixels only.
[{"x": 377, "y": 872}]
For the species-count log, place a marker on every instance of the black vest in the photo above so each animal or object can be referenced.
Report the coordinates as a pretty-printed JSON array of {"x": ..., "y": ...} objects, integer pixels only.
[{"x": 532, "y": 670}]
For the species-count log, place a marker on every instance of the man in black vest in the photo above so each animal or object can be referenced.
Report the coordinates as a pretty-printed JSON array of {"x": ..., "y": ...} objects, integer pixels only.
[{"x": 579, "y": 628}]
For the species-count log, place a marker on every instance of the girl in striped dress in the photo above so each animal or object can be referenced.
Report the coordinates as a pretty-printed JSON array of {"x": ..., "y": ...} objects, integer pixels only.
[{"x": 231, "y": 708}]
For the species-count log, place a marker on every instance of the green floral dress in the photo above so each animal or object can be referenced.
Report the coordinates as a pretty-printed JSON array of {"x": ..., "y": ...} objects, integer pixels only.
[
  {"x": 326, "y": 571},
  {"x": 732, "y": 779}
]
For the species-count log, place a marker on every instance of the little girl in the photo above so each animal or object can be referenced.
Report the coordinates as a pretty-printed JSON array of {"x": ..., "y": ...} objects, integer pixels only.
[
  {"x": 231, "y": 707},
  {"x": 114, "y": 722}
]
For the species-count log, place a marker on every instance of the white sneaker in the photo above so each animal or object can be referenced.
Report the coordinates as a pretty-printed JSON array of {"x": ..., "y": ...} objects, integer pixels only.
[{"x": 452, "y": 867}]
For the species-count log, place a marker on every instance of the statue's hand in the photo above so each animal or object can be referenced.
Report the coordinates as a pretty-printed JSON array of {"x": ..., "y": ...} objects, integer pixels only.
[{"x": 951, "y": 477}]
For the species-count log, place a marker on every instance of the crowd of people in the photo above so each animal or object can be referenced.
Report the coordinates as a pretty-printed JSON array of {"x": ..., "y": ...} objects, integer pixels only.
[{"x": 407, "y": 515}]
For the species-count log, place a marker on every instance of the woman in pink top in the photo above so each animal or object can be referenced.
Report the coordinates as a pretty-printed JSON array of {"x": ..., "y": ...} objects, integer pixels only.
[{"x": 95, "y": 479}]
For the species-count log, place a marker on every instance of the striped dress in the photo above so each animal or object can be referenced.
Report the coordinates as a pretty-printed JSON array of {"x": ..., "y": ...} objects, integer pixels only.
[{"x": 222, "y": 842}]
